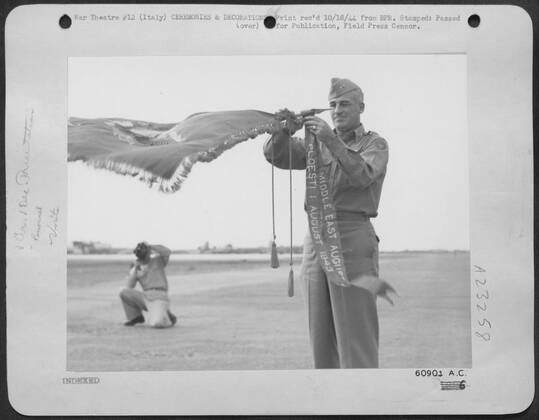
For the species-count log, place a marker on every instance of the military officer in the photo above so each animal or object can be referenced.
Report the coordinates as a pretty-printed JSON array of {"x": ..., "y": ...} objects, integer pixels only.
[
  {"x": 149, "y": 271},
  {"x": 343, "y": 321}
]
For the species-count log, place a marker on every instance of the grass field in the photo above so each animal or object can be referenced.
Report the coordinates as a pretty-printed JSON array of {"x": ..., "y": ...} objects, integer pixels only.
[{"x": 237, "y": 315}]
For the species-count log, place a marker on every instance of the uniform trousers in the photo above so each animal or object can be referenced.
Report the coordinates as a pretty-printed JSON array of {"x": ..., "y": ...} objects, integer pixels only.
[
  {"x": 343, "y": 321},
  {"x": 154, "y": 302}
]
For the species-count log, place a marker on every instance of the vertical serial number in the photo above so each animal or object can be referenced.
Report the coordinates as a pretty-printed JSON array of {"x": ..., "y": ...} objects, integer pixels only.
[{"x": 481, "y": 298}]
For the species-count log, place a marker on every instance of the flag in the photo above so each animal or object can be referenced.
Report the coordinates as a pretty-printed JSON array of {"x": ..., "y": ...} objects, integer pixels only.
[{"x": 158, "y": 153}]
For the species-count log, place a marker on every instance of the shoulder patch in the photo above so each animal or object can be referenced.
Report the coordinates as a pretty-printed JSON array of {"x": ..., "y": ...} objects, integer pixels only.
[
  {"x": 380, "y": 144},
  {"x": 377, "y": 142}
]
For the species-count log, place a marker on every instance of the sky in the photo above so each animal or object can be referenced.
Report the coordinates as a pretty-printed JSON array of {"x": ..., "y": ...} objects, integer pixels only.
[{"x": 416, "y": 102}]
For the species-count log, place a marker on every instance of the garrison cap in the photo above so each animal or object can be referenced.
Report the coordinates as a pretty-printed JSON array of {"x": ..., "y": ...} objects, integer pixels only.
[{"x": 340, "y": 87}]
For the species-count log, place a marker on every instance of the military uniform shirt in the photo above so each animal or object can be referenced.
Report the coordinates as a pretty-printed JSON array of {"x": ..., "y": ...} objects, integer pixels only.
[{"x": 356, "y": 179}]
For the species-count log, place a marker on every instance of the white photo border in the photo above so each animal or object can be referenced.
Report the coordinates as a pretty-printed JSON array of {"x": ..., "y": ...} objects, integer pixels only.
[{"x": 501, "y": 214}]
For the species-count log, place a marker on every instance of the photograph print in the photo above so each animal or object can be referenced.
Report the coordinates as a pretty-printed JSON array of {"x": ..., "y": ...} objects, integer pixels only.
[{"x": 268, "y": 212}]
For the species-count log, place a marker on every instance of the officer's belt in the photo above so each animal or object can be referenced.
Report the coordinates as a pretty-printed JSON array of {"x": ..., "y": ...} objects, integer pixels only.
[{"x": 348, "y": 216}]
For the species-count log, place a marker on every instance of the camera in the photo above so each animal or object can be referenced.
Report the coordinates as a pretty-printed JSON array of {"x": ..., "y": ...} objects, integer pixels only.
[{"x": 142, "y": 250}]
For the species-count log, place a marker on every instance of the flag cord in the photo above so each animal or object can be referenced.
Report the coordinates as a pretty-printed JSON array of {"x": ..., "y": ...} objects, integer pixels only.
[
  {"x": 273, "y": 189},
  {"x": 291, "y": 273},
  {"x": 290, "y": 183},
  {"x": 274, "y": 259}
]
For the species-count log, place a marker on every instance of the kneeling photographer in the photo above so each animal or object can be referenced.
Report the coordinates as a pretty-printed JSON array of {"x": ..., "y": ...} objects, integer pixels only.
[{"x": 149, "y": 271}]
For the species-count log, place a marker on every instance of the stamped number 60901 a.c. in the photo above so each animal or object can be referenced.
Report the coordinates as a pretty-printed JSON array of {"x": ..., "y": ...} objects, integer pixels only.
[{"x": 428, "y": 372}]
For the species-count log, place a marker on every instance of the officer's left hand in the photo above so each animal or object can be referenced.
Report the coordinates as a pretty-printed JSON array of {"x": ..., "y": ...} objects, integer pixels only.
[
  {"x": 319, "y": 128},
  {"x": 385, "y": 290}
]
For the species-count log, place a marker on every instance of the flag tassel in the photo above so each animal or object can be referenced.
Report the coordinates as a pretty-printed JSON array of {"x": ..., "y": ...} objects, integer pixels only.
[
  {"x": 274, "y": 256},
  {"x": 291, "y": 283}
]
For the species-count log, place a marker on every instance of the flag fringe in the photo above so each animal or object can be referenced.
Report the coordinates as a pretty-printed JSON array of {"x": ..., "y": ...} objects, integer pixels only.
[{"x": 174, "y": 183}]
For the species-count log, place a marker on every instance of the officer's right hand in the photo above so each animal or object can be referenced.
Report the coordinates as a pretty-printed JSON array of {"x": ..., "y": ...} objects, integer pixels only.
[{"x": 293, "y": 122}]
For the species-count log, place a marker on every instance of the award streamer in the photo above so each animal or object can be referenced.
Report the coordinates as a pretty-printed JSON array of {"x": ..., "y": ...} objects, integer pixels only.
[{"x": 322, "y": 215}]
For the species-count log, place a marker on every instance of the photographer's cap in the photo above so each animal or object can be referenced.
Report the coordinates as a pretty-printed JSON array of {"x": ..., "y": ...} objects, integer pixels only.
[{"x": 341, "y": 87}]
